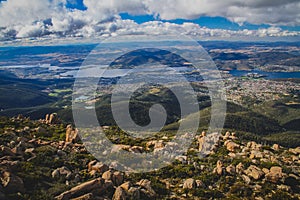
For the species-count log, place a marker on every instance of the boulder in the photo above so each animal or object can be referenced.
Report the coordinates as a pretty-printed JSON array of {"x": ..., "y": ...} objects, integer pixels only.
[
  {"x": 189, "y": 184},
  {"x": 274, "y": 175},
  {"x": 119, "y": 194},
  {"x": 227, "y": 135},
  {"x": 256, "y": 154},
  {"x": 219, "y": 168},
  {"x": 136, "y": 149},
  {"x": 97, "y": 166},
  {"x": 254, "y": 172},
  {"x": 119, "y": 147},
  {"x": 284, "y": 188},
  {"x": 254, "y": 146},
  {"x": 159, "y": 144},
  {"x": 295, "y": 151},
  {"x": 156, "y": 144},
  {"x": 245, "y": 150},
  {"x": 91, "y": 164},
  {"x": 72, "y": 134},
  {"x": 257, "y": 187},
  {"x": 52, "y": 118},
  {"x": 134, "y": 193},
  {"x": 230, "y": 169},
  {"x": 107, "y": 175},
  {"x": 29, "y": 150},
  {"x": 295, "y": 158},
  {"x": 62, "y": 172},
  {"x": 84, "y": 188},
  {"x": 265, "y": 170},
  {"x": 232, "y": 155},
  {"x": 246, "y": 179},
  {"x": 117, "y": 178},
  {"x": 201, "y": 140},
  {"x": 276, "y": 147},
  {"x": 126, "y": 186},
  {"x": 145, "y": 183},
  {"x": 55, "y": 174},
  {"x": 231, "y": 146},
  {"x": 88, "y": 196}
]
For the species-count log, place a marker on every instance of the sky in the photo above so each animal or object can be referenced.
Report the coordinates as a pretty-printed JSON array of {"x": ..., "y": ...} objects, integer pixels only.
[{"x": 30, "y": 20}]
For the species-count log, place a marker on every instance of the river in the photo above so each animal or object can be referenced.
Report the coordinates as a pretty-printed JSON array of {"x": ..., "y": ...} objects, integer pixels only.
[{"x": 268, "y": 75}]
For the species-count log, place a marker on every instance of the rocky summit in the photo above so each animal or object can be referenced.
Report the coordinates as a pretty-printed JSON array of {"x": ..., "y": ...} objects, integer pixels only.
[{"x": 45, "y": 159}]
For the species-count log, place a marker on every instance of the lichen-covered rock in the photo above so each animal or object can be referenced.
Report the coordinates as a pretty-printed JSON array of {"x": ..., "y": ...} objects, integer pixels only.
[
  {"x": 136, "y": 149},
  {"x": 246, "y": 179},
  {"x": 117, "y": 178},
  {"x": 254, "y": 146},
  {"x": 107, "y": 175},
  {"x": 265, "y": 170},
  {"x": 156, "y": 144},
  {"x": 231, "y": 146},
  {"x": 51, "y": 118},
  {"x": 254, "y": 171},
  {"x": 84, "y": 188},
  {"x": 146, "y": 184},
  {"x": 97, "y": 167},
  {"x": 72, "y": 134},
  {"x": 126, "y": 185},
  {"x": 274, "y": 175},
  {"x": 226, "y": 136},
  {"x": 276, "y": 147},
  {"x": 295, "y": 151},
  {"x": 201, "y": 140},
  {"x": 88, "y": 196},
  {"x": 119, "y": 194},
  {"x": 219, "y": 168},
  {"x": 134, "y": 193},
  {"x": 189, "y": 184},
  {"x": 256, "y": 154}
]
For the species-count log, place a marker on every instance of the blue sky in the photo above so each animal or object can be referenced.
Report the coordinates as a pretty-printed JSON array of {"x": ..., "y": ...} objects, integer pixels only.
[
  {"x": 76, "y": 4},
  {"x": 209, "y": 22}
]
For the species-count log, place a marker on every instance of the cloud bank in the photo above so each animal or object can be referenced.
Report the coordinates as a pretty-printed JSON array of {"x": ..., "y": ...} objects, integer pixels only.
[
  {"x": 52, "y": 19},
  {"x": 273, "y": 12}
]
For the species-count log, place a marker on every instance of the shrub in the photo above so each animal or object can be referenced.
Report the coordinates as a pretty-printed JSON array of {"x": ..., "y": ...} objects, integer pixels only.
[
  {"x": 241, "y": 190},
  {"x": 281, "y": 195}
]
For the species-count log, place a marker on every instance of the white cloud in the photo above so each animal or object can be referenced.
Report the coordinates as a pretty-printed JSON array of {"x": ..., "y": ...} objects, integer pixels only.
[
  {"x": 14, "y": 12},
  {"x": 36, "y": 30},
  {"x": 274, "y": 12},
  {"x": 50, "y": 18},
  {"x": 105, "y": 9}
]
